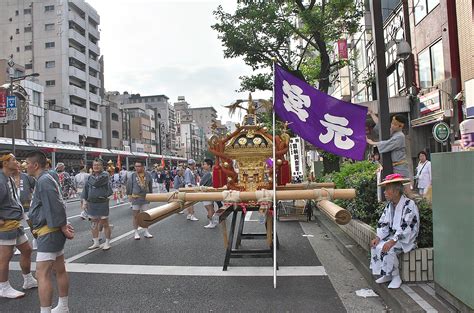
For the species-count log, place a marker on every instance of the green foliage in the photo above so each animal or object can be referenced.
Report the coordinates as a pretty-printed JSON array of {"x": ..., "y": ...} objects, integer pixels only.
[
  {"x": 255, "y": 82},
  {"x": 360, "y": 176},
  {"x": 261, "y": 31},
  {"x": 425, "y": 236}
]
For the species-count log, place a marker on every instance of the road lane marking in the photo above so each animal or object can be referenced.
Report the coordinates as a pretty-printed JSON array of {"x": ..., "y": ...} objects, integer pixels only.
[
  {"x": 418, "y": 299},
  {"x": 159, "y": 270}
]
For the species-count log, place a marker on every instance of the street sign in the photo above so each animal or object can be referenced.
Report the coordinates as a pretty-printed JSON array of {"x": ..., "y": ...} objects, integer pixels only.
[
  {"x": 441, "y": 132},
  {"x": 3, "y": 107},
  {"x": 12, "y": 112}
]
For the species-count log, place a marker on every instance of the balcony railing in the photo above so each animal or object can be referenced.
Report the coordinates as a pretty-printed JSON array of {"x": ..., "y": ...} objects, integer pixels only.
[
  {"x": 77, "y": 37},
  {"x": 75, "y": 72},
  {"x": 77, "y": 55},
  {"x": 73, "y": 16},
  {"x": 78, "y": 92}
]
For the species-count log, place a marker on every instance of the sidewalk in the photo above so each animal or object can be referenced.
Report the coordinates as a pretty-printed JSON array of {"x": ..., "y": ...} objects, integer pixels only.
[{"x": 418, "y": 297}]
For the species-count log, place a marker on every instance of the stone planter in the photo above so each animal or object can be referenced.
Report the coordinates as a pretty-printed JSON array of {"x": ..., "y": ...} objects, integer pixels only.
[{"x": 415, "y": 266}]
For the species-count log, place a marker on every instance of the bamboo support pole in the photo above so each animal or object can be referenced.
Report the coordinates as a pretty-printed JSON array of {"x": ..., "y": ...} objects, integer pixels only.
[
  {"x": 340, "y": 215},
  {"x": 244, "y": 196},
  {"x": 151, "y": 216},
  {"x": 306, "y": 186}
]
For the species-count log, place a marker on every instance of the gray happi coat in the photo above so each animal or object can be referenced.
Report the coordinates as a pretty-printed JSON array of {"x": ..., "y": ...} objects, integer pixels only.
[
  {"x": 97, "y": 191},
  {"x": 27, "y": 185},
  {"x": 48, "y": 208},
  {"x": 133, "y": 188},
  {"x": 10, "y": 208}
]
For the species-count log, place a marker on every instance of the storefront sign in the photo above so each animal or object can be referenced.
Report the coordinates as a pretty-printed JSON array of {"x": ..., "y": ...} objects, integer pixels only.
[
  {"x": 3, "y": 106},
  {"x": 467, "y": 134},
  {"x": 429, "y": 102},
  {"x": 342, "y": 49},
  {"x": 441, "y": 132}
]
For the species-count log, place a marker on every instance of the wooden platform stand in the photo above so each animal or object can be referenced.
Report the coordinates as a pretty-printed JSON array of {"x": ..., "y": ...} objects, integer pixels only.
[{"x": 237, "y": 252}]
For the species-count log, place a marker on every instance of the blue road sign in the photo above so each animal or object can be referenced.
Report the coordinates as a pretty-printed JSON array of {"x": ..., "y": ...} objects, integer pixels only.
[{"x": 11, "y": 102}]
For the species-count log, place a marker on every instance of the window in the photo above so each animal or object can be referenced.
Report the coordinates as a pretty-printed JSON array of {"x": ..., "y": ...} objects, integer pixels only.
[
  {"x": 27, "y": 11},
  {"x": 51, "y": 103},
  {"x": 27, "y": 29},
  {"x": 17, "y": 31},
  {"x": 49, "y": 8},
  {"x": 50, "y": 83},
  {"x": 50, "y": 64},
  {"x": 36, "y": 98},
  {"x": 66, "y": 126},
  {"x": 17, "y": 12},
  {"x": 114, "y": 117},
  {"x": 431, "y": 65},
  {"x": 28, "y": 66},
  {"x": 49, "y": 26},
  {"x": 115, "y": 134},
  {"x": 28, "y": 47},
  {"x": 54, "y": 125},
  {"x": 423, "y": 8},
  {"x": 17, "y": 49},
  {"x": 48, "y": 45},
  {"x": 37, "y": 122}
]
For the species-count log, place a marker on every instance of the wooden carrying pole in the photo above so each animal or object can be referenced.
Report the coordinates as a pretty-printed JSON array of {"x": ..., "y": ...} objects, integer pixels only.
[
  {"x": 245, "y": 196},
  {"x": 306, "y": 186},
  {"x": 152, "y": 216},
  {"x": 335, "y": 212}
]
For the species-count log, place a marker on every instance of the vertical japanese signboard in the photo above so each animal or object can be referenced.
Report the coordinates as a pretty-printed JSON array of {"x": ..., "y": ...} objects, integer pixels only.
[{"x": 3, "y": 106}]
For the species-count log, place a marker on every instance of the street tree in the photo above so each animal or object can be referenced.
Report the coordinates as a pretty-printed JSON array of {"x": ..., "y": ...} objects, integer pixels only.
[{"x": 299, "y": 35}]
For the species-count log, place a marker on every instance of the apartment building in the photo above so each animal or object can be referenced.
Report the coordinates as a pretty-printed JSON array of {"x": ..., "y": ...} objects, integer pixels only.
[{"x": 59, "y": 40}]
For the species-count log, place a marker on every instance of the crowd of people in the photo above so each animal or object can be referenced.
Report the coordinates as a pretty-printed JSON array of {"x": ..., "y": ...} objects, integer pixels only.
[{"x": 34, "y": 194}]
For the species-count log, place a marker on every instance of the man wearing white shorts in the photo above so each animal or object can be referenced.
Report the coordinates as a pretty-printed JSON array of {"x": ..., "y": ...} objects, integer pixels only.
[
  {"x": 49, "y": 225},
  {"x": 11, "y": 231},
  {"x": 95, "y": 195},
  {"x": 139, "y": 184}
]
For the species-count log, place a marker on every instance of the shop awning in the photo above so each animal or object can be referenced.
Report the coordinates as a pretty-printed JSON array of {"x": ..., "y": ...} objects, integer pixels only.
[
  {"x": 395, "y": 104},
  {"x": 427, "y": 119}
]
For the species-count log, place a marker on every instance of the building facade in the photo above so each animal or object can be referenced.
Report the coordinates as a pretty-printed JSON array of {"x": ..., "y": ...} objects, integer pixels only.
[{"x": 59, "y": 40}]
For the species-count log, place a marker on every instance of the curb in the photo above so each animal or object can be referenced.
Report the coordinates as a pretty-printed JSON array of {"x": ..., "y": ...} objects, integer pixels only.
[{"x": 396, "y": 299}]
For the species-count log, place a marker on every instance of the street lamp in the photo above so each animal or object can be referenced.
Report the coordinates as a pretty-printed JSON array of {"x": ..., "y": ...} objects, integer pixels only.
[{"x": 12, "y": 80}]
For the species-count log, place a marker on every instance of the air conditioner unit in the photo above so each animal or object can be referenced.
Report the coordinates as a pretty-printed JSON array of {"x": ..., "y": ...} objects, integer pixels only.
[{"x": 126, "y": 148}]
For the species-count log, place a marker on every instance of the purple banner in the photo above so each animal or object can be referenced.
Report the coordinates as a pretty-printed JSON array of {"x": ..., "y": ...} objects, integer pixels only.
[{"x": 328, "y": 123}]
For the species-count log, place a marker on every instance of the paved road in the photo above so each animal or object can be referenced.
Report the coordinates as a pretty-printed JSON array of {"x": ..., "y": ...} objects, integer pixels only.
[{"x": 181, "y": 270}]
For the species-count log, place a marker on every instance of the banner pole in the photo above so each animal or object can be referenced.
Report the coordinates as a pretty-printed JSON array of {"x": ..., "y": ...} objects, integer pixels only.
[{"x": 274, "y": 186}]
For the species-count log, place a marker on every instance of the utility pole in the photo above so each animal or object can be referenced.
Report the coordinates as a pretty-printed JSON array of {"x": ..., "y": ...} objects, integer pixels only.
[{"x": 381, "y": 81}]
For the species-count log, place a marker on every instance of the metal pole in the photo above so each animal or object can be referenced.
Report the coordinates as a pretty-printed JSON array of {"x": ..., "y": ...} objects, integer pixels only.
[
  {"x": 53, "y": 159},
  {"x": 381, "y": 75}
]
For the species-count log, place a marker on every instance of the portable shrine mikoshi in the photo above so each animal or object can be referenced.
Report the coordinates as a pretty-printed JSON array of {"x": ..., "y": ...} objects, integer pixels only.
[{"x": 243, "y": 180}]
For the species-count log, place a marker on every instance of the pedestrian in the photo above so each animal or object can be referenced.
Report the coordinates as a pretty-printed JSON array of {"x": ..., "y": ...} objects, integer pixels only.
[
  {"x": 395, "y": 144},
  {"x": 206, "y": 180},
  {"x": 423, "y": 173},
  {"x": 11, "y": 231},
  {"x": 138, "y": 185},
  {"x": 190, "y": 181},
  {"x": 49, "y": 224},
  {"x": 80, "y": 179},
  {"x": 178, "y": 181},
  {"x": 95, "y": 195},
  {"x": 167, "y": 180},
  {"x": 397, "y": 230},
  {"x": 25, "y": 185},
  {"x": 117, "y": 186}
]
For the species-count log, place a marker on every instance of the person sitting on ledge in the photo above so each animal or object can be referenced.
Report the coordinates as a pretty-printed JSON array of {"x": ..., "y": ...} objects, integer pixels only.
[{"x": 397, "y": 230}]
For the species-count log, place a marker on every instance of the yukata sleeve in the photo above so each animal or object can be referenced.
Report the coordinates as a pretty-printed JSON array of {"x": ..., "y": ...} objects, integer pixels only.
[
  {"x": 408, "y": 230},
  {"x": 3, "y": 197},
  {"x": 187, "y": 178},
  {"x": 383, "y": 225},
  {"x": 53, "y": 206},
  {"x": 389, "y": 145},
  {"x": 129, "y": 185},
  {"x": 150, "y": 184}
]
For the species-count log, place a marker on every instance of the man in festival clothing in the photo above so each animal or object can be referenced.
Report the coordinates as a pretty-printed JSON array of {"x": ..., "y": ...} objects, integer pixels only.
[
  {"x": 49, "y": 224},
  {"x": 395, "y": 144},
  {"x": 95, "y": 196},
  {"x": 138, "y": 185},
  {"x": 206, "y": 180},
  {"x": 190, "y": 181},
  {"x": 11, "y": 231},
  {"x": 397, "y": 230}
]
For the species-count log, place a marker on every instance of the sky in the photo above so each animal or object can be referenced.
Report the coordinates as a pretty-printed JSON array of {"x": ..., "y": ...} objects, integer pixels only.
[{"x": 154, "y": 47}]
